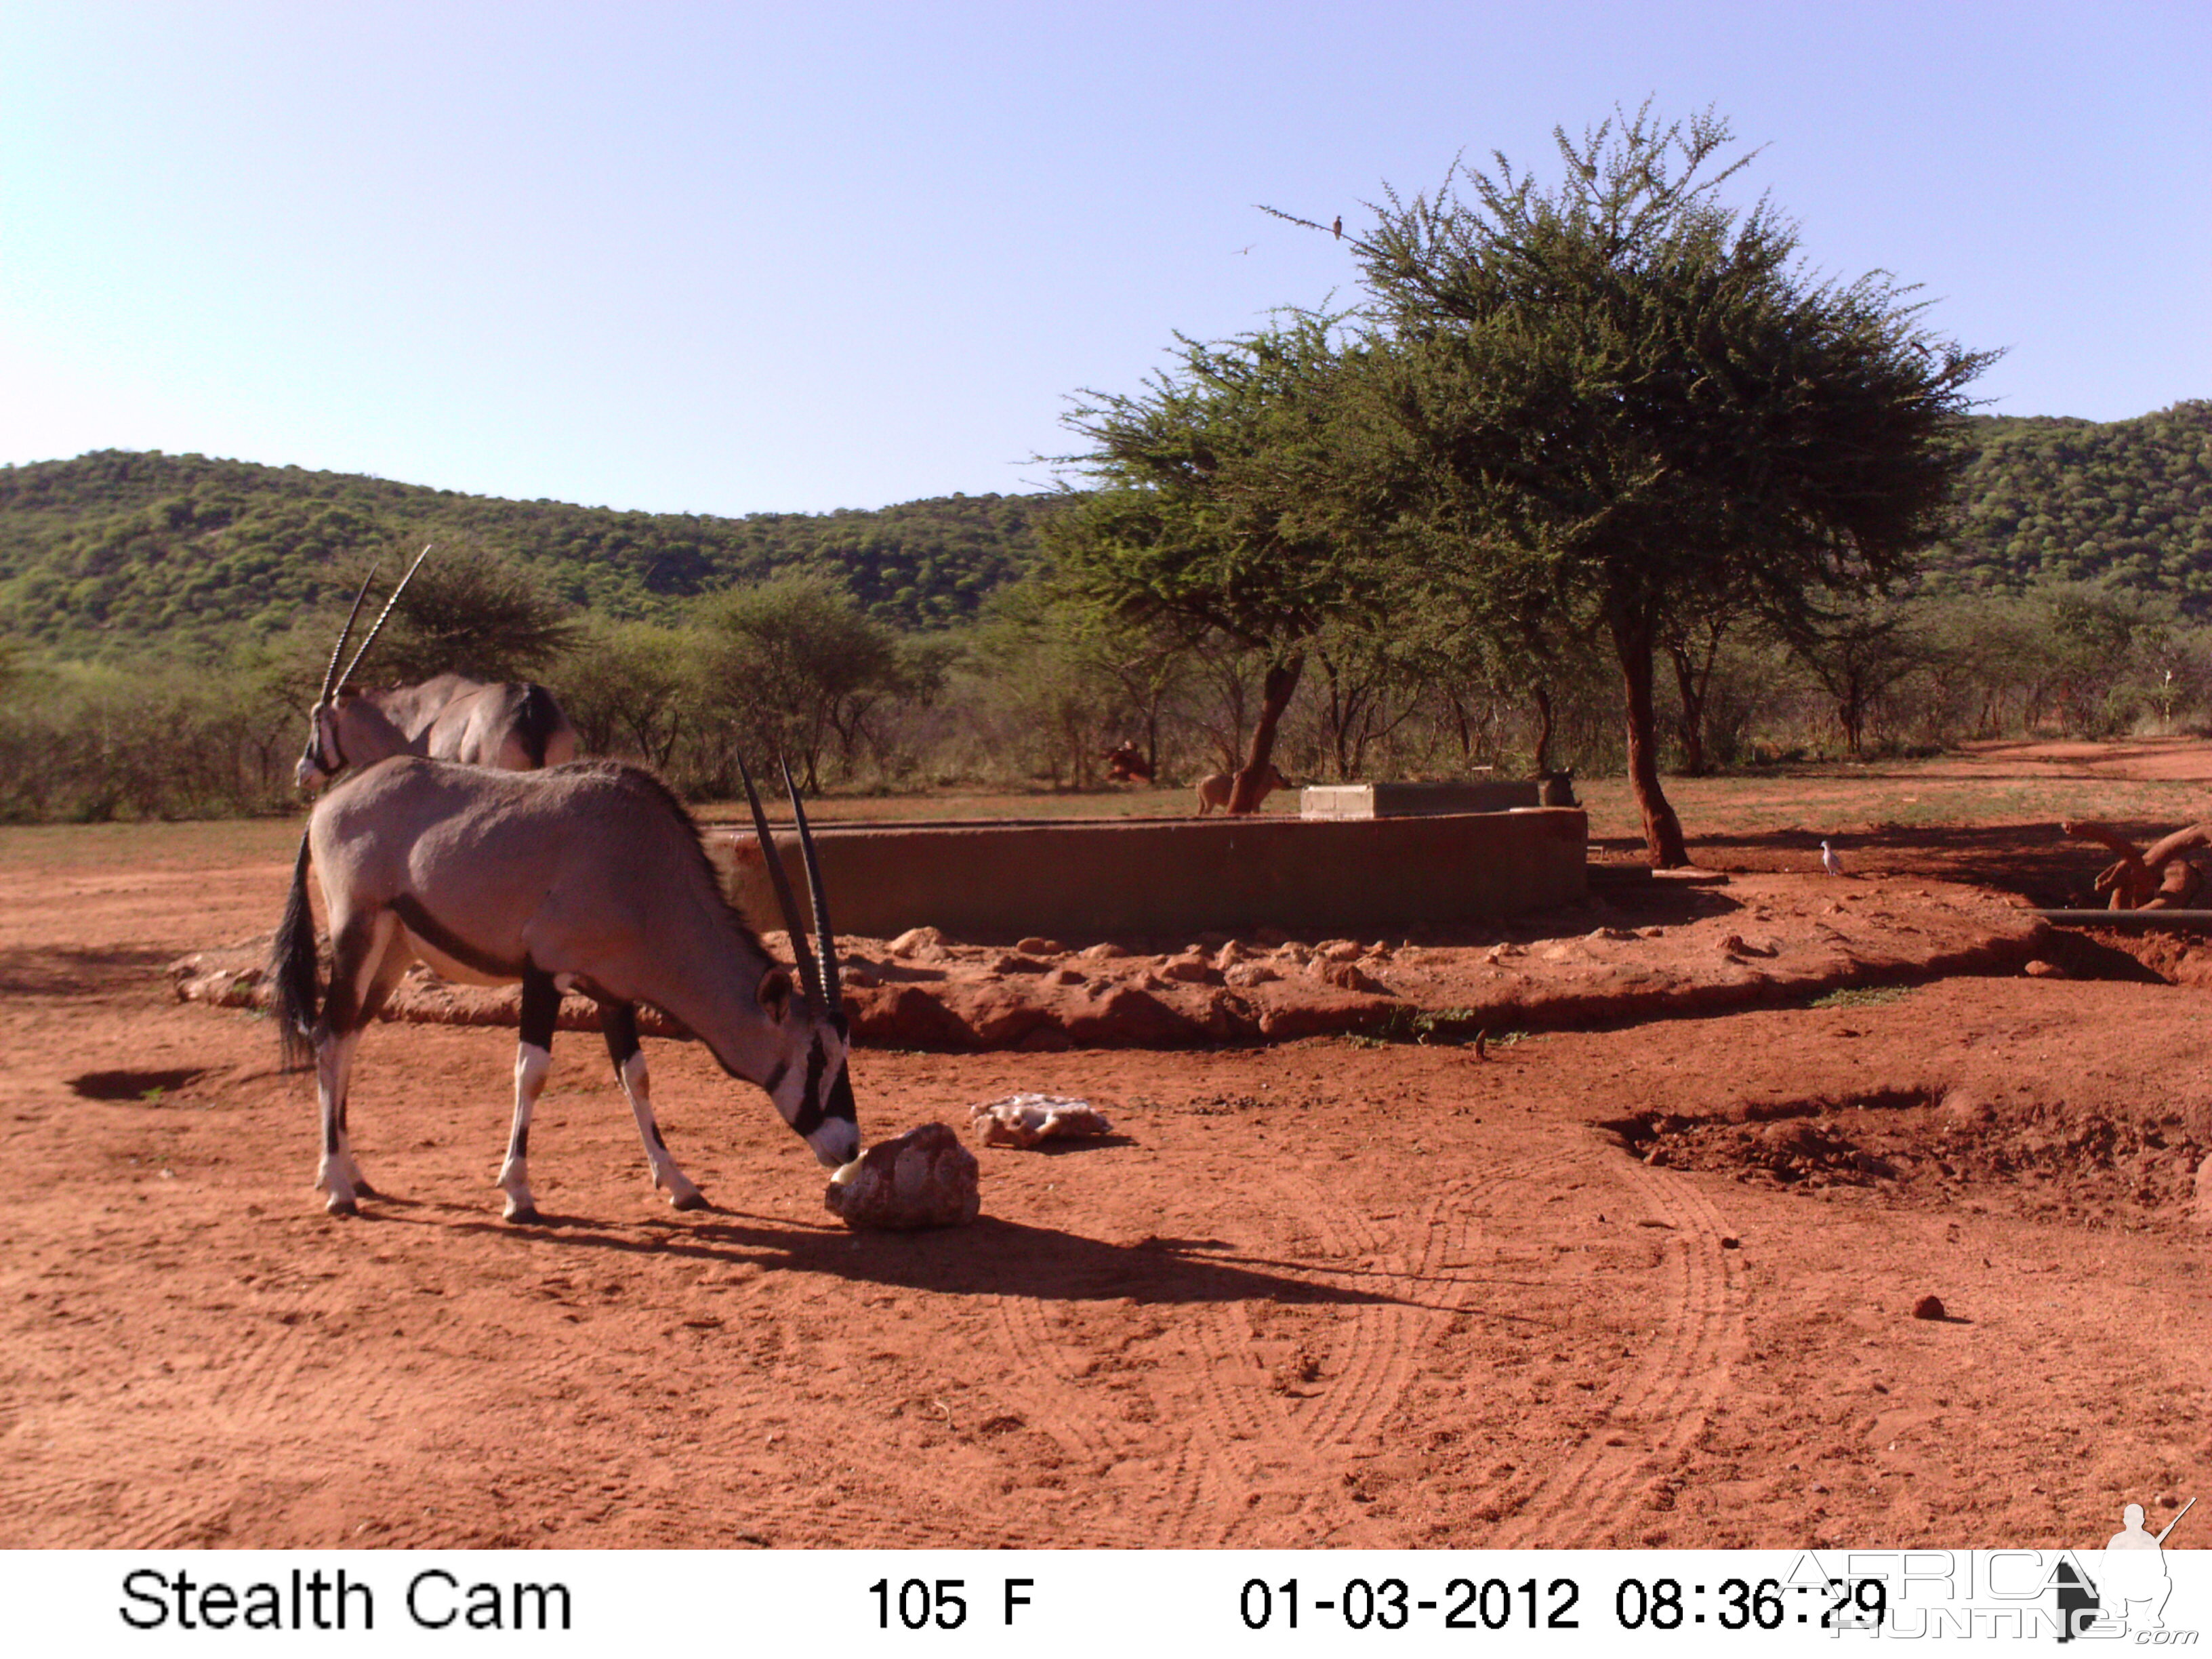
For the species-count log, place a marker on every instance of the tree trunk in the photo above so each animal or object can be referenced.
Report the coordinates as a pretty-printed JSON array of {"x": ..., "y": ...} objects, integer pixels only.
[
  {"x": 1461, "y": 723},
  {"x": 1633, "y": 640},
  {"x": 1694, "y": 681},
  {"x": 1251, "y": 787},
  {"x": 1851, "y": 716},
  {"x": 1543, "y": 695}
]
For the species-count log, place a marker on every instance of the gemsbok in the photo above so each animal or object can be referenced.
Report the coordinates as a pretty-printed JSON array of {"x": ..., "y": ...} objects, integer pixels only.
[
  {"x": 515, "y": 725},
  {"x": 588, "y": 877}
]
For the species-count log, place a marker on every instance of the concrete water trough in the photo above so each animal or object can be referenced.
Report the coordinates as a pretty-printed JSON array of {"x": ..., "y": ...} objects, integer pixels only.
[
  {"x": 1416, "y": 800},
  {"x": 1090, "y": 879}
]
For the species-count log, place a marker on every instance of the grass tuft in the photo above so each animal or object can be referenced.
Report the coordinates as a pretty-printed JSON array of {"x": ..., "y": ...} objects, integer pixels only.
[{"x": 1863, "y": 996}]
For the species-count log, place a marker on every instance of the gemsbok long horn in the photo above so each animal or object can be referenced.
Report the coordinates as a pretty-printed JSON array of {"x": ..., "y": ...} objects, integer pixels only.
[
  {"x": 385, "y": 616},
  {"x": 331, "y": 674},
  {"x": 832, "y": 993},
  {"x": 810, "y": 977}
]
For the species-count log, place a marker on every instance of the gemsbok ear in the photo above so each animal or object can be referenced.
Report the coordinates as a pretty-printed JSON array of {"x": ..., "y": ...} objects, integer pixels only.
[{"x": 775, "y": 992}]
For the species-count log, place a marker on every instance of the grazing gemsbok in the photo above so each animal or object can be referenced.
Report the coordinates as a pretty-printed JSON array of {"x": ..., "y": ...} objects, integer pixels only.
[
  {"x": 588, "y": 877},
  {"x": 515, "y": 725}
]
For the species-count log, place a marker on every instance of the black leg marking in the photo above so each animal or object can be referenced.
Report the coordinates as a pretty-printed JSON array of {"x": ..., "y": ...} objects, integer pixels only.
[
  {"x": 541, "y": 1008},
  {"x": 618, "y": 1023},
  {"x": 618, "y": 1020},
  {"x": 541, "y": 1013},
  {"x": 349, "y": 952}
]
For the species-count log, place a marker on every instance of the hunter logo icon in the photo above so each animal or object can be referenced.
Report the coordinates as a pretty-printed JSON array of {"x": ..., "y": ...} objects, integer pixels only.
[{"x": 2126, "y": 1587}]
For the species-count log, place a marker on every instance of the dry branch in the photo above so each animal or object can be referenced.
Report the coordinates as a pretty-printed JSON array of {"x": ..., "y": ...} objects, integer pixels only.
[{"x": 2159, "y": 878}]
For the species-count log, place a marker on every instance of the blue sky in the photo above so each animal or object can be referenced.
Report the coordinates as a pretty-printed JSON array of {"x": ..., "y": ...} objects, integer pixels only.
[{"x": 736, "y": 258}]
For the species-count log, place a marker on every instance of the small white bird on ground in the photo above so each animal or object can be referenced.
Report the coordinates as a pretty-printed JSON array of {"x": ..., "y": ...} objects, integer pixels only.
[{"x": 1829, "y": 861}]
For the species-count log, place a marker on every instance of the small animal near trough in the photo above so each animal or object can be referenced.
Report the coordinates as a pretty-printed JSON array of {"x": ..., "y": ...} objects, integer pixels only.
[{"x": 1124, "y": 878}]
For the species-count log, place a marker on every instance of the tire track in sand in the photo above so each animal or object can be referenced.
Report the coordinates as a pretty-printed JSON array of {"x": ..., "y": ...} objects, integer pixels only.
[
  {"x": 1083, "y": 1421},
  {"x": 1305, "y": 1441},
  {"x": 1588, "y": 1499},
  {"x": 1423, "y": 1275},
  {"x": 252, "y": 1414},
  {"x": 1271, "y": 1486}
]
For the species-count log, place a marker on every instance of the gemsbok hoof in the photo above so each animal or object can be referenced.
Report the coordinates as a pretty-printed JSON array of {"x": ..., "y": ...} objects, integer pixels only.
[
  {"x": 527, "y": 1216},
  {"x": 694, "y": 1200},
  {"x": 342, "y": 1206}
]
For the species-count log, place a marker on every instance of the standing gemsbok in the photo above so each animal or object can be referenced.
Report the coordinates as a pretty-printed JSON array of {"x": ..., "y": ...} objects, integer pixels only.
[
  {"x": 588, "y": 877},
  {"x": 515, "y": 725}
]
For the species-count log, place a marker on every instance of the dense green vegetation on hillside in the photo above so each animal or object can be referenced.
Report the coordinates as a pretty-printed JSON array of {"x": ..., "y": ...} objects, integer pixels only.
[
  {"x": 122, "y": 576},
  {"x": 104, "y": 554},
  {"x": 2076, "y": 501}
]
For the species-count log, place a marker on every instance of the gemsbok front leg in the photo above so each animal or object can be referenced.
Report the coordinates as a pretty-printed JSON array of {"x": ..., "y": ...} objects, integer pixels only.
[
  {"x": 619, "y": 1021},
  {"x": 533, "y": 1059}
]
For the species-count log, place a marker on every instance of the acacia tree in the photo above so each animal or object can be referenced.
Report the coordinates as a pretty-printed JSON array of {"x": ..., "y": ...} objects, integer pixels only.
[
  {"x": 1206, "y": 514},
  {"x": 470, "y": 612},
  {"x": 632, "y": 687},
  {"x": 792, "y": 664},
  {"x": 1622, "y": 400},
  {"x": 1858, "y": 654}
]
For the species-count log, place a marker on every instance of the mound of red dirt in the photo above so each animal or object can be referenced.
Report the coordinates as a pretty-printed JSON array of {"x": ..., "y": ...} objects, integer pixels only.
[{"x": 1642, "y": 950}]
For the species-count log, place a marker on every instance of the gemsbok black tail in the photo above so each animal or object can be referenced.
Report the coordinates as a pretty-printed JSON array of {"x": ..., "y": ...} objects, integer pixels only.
[
  {"x": 536, "y": 721},
  {"x": 294, "y": 996}
]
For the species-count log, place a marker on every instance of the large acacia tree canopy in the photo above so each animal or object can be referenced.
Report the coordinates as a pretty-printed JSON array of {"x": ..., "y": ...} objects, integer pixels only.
[
  {"x": 1622, "y": 402},
  {"x": 1638, "y": 385},
  {"x": 1617, "y": 404}
]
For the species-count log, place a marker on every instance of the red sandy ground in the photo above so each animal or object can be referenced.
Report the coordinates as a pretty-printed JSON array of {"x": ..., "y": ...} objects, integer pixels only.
[{"x": 1642, "y": 1284}]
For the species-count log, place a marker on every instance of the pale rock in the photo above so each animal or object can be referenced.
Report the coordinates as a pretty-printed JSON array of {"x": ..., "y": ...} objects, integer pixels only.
[
  {"x": 918, "y": 944},
  {"x": 1024, "y": 1120},
  {"x": 924, "y": 1178}
]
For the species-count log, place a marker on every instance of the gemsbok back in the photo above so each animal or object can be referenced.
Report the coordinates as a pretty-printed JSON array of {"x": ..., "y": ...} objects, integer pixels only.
[
  {"x": 515, "y": 725},
  {"x": 588, "y": 877}
]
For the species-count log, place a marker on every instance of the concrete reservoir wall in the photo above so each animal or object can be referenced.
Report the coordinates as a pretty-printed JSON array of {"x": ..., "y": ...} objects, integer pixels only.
[{"x": 1101, "y": 879}]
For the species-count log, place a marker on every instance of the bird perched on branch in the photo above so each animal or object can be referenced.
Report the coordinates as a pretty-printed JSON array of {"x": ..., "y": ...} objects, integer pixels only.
[{"x": 1338, "y": 226}]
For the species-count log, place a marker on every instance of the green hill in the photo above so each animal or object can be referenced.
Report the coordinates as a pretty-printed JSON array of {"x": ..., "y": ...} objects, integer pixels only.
[
  {"x": 106, "y": 553},
  {"x": 2076, "y": 499},
  {"x": 112, "y": 552}
]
